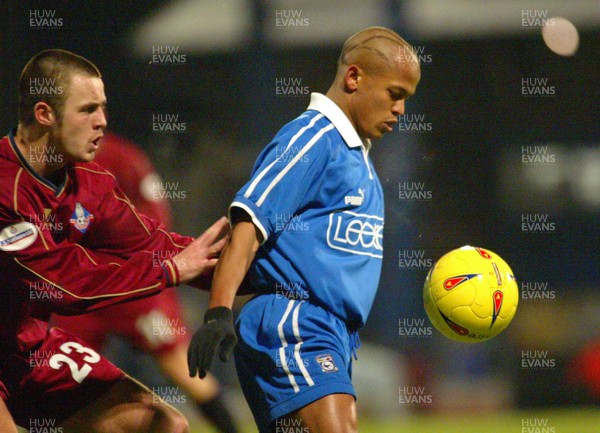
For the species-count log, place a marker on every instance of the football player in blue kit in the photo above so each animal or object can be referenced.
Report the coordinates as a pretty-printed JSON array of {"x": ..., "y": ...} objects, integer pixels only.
[{"x": 307, "y": 228}]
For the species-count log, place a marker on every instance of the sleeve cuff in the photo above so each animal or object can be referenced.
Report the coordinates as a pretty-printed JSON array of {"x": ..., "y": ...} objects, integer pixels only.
[
  {"x": 251, "y": 209},
  {"x": 171, "y": 273}
]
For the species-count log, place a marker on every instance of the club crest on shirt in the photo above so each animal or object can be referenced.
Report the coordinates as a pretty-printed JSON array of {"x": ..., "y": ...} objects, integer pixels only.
[
  {"x": 81, "y": 218},
  {"x": 326, "y": 362}
]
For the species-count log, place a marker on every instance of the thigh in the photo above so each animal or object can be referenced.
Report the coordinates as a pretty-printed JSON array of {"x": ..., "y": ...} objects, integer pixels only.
[
  {"x": 7, "y": 425},
  {"x": 334, "y": 413},
  {"x": 127, "y": 406}
]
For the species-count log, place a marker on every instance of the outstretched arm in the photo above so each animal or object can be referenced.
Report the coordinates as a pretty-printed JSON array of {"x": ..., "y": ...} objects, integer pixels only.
[
  {"x": 217, "y": 334},
  {"x": 201, "y": 256}
]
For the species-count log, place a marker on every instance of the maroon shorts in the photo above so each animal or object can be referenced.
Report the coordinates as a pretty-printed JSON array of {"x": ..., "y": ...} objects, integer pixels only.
[
  {"x": 54, "y": 380},
  {"x": 154, "y": 324}
]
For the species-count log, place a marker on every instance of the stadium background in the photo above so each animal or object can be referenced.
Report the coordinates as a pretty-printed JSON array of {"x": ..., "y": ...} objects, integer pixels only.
[{"x": 502, "y": 131}]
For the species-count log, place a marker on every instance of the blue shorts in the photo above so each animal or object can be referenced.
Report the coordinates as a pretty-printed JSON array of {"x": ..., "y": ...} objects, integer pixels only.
[{"x": 290, "y": 353}]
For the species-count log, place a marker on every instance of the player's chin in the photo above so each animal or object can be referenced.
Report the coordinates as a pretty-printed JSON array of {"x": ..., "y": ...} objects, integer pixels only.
[
  {"x": 88, "y": 156},
  {"x": 379, "y": 133}
]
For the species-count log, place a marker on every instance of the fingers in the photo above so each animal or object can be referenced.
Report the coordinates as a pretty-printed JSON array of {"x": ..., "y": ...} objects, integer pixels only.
[
  {"x": 216, "y": 336},
  {"x": 217, "y": 247},
  {"x": 214, "y": 232},
  {"x": 210, "y": 264},
  {"x": 201, "y": 352},
  {"x": 203, "y": 349},
  {"x": 208, "y": 355},
  {"x": 227, "y": 347},
  {"x": 192, "y": 357}
]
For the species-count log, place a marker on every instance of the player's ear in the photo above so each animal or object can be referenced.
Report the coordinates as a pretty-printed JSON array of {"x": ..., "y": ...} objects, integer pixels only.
[
  {"x": 352, "y": 77},
  {"x": 44, "y": 114}
]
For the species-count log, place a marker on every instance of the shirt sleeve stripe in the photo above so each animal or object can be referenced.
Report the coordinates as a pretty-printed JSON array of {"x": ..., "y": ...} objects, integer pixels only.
[
  {"x": 15, "y": 192},
  {"x": 172, "y": 273},
  {"x": 126, "y": 200},
  {"x": 253, "y": 185},
  {"x": 107, "y": 295},
  {"x": 255, "y": 220},
  {"x": 293, "y": 162}
]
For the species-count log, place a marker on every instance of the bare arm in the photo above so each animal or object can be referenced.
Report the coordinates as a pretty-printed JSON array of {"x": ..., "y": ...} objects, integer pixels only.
[
  {"x": 217, "y": 335},
  {"x": 238, "y": 253}
]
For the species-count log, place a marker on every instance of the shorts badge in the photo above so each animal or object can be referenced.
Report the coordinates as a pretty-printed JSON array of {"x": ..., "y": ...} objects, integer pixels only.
[{"x": 327, "y": 364}]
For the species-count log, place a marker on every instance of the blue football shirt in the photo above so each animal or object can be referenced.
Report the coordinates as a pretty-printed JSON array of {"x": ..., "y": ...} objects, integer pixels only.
[{"x": 315, "y": 197}]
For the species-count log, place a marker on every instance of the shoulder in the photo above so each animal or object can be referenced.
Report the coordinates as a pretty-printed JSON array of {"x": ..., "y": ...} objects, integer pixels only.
[
  {"x": 311, "y": 122},
  {"x": 93, "y": 176},
  {"x": 8, "y": 158},
  {"x": 10, "y": 169},
  {"x": 307, "y": 130},
  {"x": 91, "y": 169}
]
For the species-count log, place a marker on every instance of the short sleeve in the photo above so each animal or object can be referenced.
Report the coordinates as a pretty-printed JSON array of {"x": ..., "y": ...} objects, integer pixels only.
[{"x": 287, "y": 174}]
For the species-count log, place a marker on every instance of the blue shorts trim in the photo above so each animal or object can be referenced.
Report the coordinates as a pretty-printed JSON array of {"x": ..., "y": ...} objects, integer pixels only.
[{"x": 290, "y": 354}]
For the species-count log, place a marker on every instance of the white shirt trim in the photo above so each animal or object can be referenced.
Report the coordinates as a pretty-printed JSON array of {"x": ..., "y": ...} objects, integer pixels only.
[{"x": 326, "y": 106}]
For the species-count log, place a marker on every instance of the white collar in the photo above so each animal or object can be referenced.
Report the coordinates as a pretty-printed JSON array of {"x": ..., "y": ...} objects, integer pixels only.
[{"x": 329, "y": 109}]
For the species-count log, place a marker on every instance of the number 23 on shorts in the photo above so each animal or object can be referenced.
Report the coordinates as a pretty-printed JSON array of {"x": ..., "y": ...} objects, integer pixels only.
[{"x": 58, "y": 360}]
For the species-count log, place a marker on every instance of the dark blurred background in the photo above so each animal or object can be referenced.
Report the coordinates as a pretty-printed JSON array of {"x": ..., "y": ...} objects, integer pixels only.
[{"x": 504, "y": 129}]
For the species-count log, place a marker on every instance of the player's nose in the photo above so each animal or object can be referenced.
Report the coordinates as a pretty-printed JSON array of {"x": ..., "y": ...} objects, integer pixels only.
[
  {"x": 398, "y": 108},
  {"x": 100, "y": 119}
]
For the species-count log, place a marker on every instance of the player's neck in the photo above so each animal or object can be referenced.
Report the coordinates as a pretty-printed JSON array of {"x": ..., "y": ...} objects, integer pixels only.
[
  {"x": 341, "y": 100},
  {"x": 34, "y": 145}
]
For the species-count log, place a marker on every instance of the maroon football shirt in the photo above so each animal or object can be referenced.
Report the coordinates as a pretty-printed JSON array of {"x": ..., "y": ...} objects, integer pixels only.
[{"x": 72, "y": 247}]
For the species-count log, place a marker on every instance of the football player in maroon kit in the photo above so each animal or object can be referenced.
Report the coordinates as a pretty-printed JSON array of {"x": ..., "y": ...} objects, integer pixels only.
[
  {"x": 155, "y": 324},
  {"x": 71, "y": 242}
]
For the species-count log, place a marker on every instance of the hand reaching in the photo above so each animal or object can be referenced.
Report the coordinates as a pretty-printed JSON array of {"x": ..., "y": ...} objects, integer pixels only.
[{"x": 201, "y": 256}]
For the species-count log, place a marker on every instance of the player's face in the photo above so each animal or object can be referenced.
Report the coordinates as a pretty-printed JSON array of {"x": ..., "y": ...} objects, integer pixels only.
[
  {"x": 83, "y": 119},
  {"x": 380, "y": 98}
]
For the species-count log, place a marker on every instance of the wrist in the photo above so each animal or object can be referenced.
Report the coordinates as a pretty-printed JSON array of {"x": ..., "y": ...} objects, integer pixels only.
[
  {"x": 220, "y": 297},
  {"x": 218, "y": 313},
  {"x": 184, "y": 272},
  {"x": 171, "y": 272}
]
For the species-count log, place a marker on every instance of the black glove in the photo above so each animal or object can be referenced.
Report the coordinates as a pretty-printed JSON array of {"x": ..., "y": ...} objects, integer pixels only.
[{"x": 217, "y": 334}]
